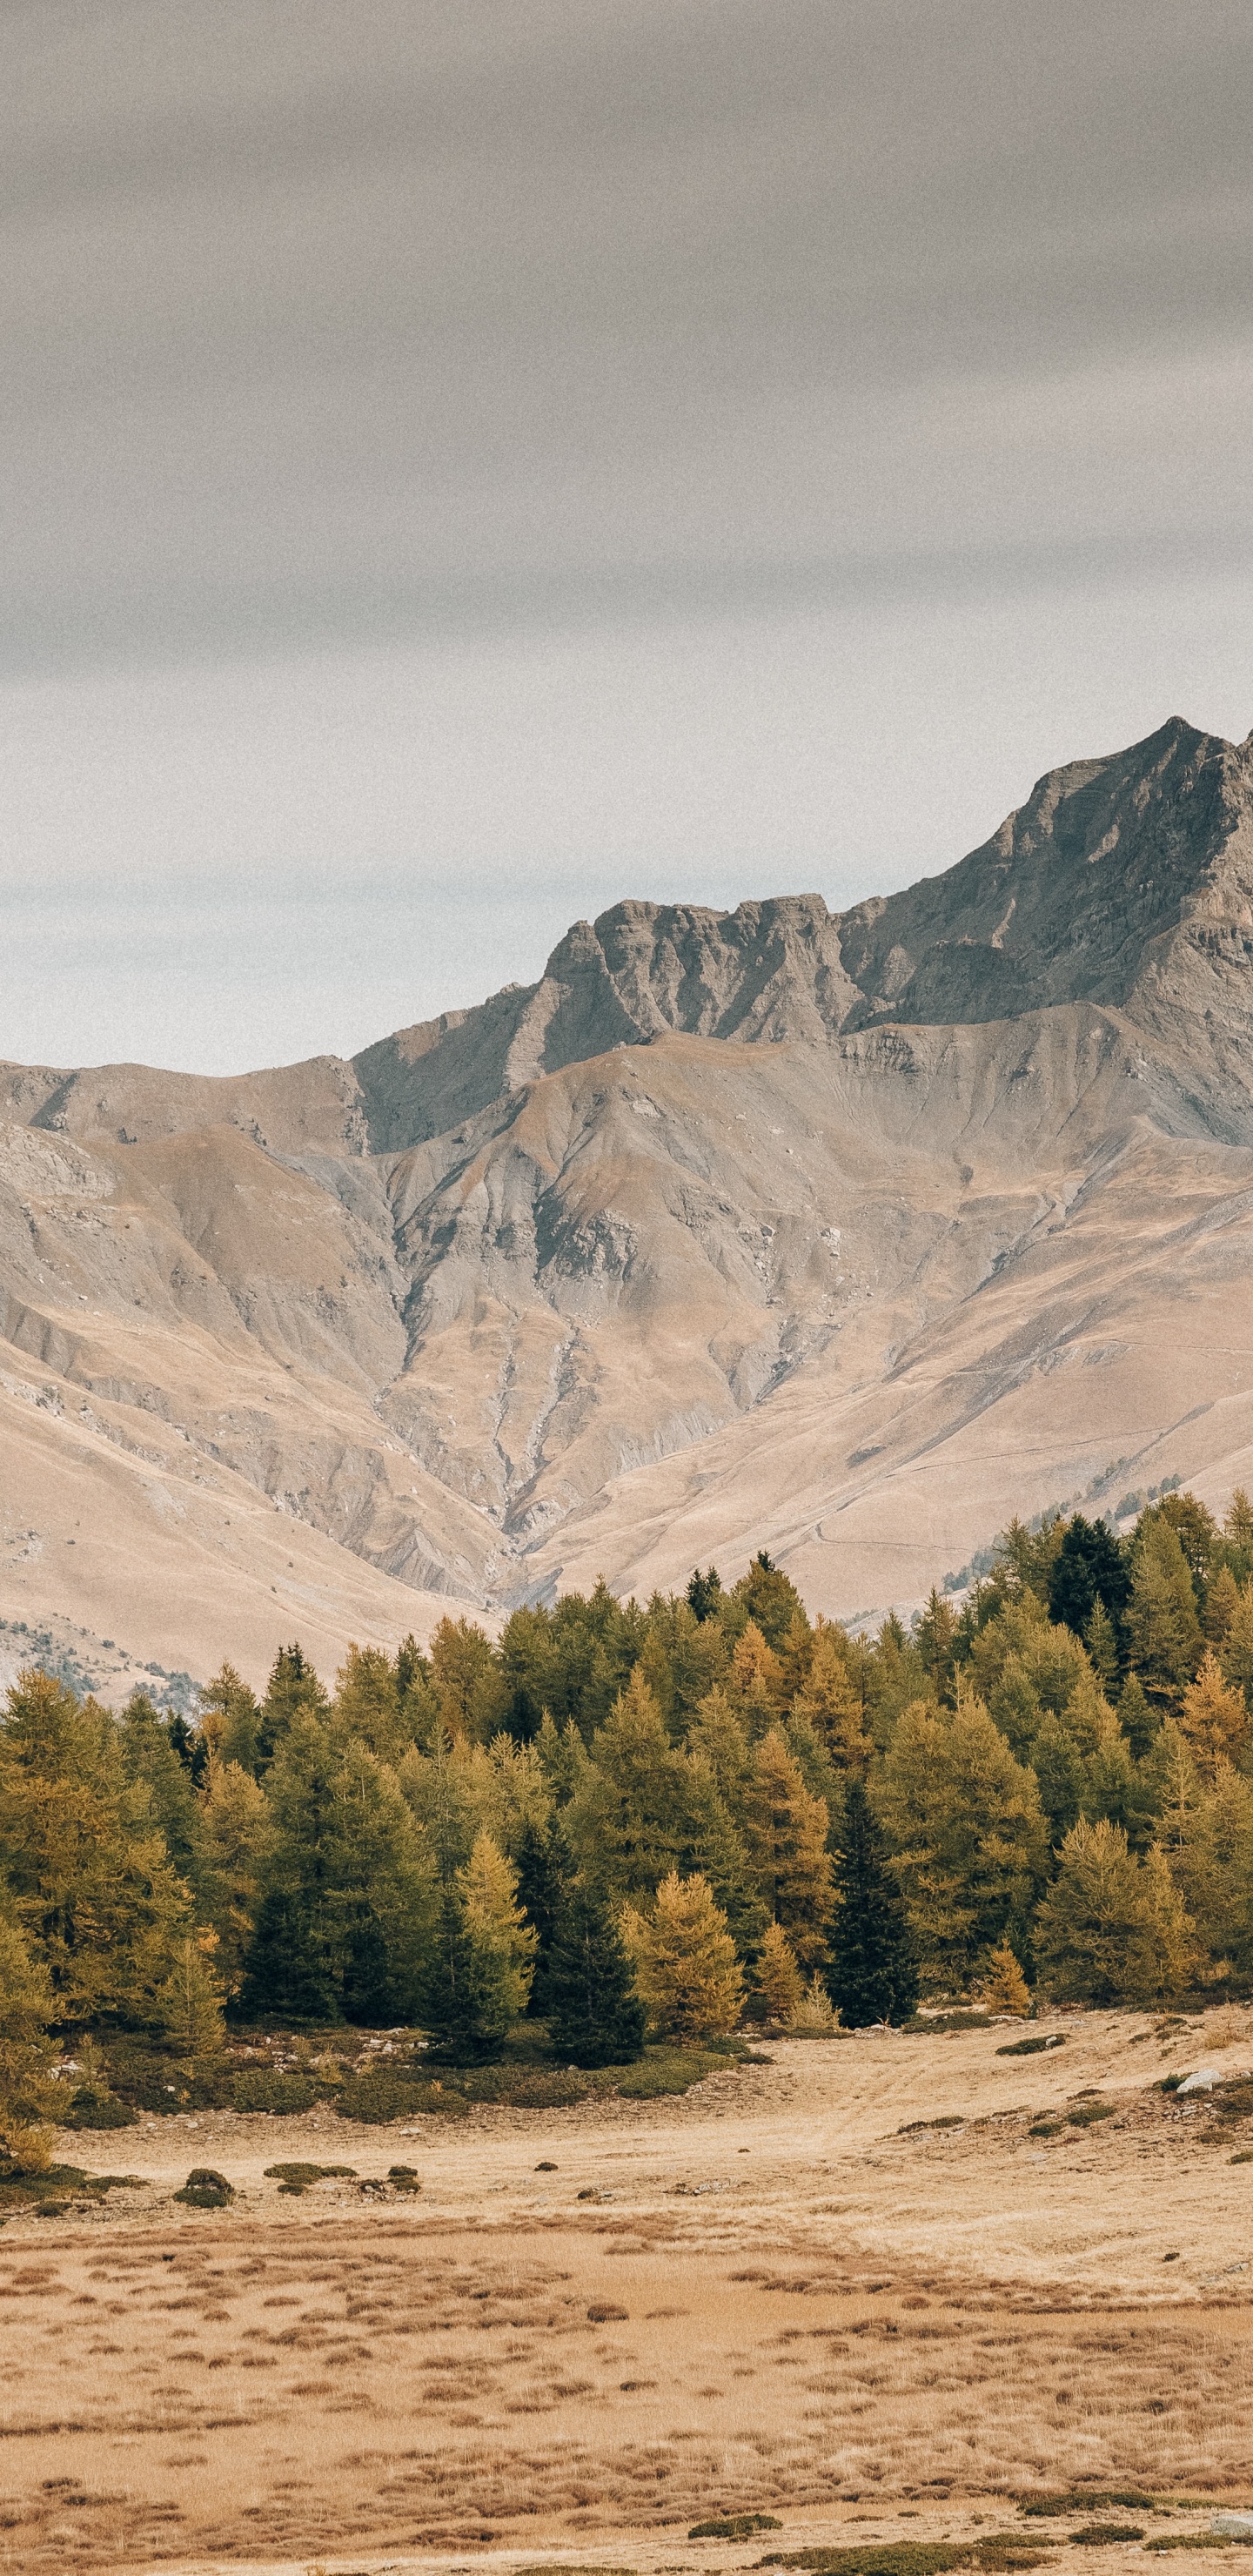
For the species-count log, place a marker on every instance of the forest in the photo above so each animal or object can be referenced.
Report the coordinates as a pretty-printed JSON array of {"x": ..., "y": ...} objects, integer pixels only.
[{"x": 624, "y": 1827}]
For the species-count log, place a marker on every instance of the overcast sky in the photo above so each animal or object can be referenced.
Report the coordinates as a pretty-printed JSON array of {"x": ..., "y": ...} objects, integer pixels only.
[{"x": 461, "y": 463}]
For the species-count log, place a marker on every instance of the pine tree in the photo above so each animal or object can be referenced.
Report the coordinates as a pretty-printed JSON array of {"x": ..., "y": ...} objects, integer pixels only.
[
  {"x": 704, "y": 1593},
  {"x": 716, "y": 1736},
  {"x": 1214, "y": 1718},
  {"x": 595, "y": 2016},
  {"x": 935, "y": 1635},
  {"x": 235, "y": 1826},
  {"x": 1059, "y": 1768},
  {"x": 967, "y": 1833},
  {"x": 230, "y": 1719},
  {"x": 467, "y": 2004},
  {"x": 1090, "y": 1566},
  {"x": 28, "y": 2091},
  {"x": 686, "y": 1970},
  {"x": 189, "y": 2000},
  {"x": 345, "y": 1918},
  {"x": 1112, "y": 1929},
  {"x": 1222, "y": 1605},
  {"x": 543, "y": 1864},
  {"x": 873, "y": 1976},
  {"x": 293, "y": 1691},
  {"x": 1211, "y": 1862},
  {"x": 468, "y": 1681},
  {"x": 770, "y": 1598},
  {"x": 785, "y": 1839},
  {"x": 149, "y": 1756},
  {"x": 630, "y": 1821},
  {"x": 778, "y": 1978},
  {"x": 367, "y": 1703},
  {"x": 1236, "y": 1656},
  {"x": 1139, "y": 1722},
  {"x": 1101, "y": 1639},
  {"x": 1162, "y": 1626}
]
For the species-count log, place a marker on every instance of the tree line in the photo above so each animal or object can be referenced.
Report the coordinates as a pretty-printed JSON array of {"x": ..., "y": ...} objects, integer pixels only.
[{"x": 626, "y": 1819}]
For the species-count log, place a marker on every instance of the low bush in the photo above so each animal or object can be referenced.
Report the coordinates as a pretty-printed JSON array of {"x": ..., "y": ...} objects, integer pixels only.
[
  {"x": 1098, "y": 2535},
  {"x": 1082, "y": 2500},
  {"x": 1046, "y": 2129},
  {"x": 734, "y": 2526},
  {"x": 87, "y": 2109},
  {"x": 1086, "y": 2114},
  {"x": 205, "y": 2189},
  {"x": 144, "y": 2078},
  {"x": 381, "y": 2096},
  {"x": 1031, "y": 2047},
  {"x": 1000, "y": 2550},
  {"x": 525, "y": 2088},
  {"x": 266, "y": 2088},
  {"x": 297, "y": 2178}
]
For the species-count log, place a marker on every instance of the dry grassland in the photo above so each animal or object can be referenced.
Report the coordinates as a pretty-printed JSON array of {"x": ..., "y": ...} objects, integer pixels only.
[{"x": 777, "y": 2302}]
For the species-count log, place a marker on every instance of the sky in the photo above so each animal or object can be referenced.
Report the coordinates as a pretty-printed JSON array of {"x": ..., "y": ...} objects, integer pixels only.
[{"x": 466, "y": 461}]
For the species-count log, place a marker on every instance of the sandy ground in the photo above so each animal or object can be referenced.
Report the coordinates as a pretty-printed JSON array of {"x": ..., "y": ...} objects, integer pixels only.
[{"x": 595, "y": 2326}]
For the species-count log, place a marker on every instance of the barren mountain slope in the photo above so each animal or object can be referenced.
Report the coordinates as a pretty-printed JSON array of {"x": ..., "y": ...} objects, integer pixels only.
[{"x": 844, "y": 1235}]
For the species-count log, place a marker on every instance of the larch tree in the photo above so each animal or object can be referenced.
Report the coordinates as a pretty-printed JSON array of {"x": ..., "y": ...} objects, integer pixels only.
[
  {"x": 28, "y": 2091},
  {"x": 87, "y": 1864},
  {"x": 1112, "y": 1929},
  {"x": 967, "y": 1832},
  {"x": 293, "y": 1691},
  {"x": 489, "y": 1895},
  {"x": 236, "y": 1831},
  {"x": 1163, "y": 1629},
  {"x": 777, "y": 1977},
  {"x": 1214, "y": 1717},
  {"x": 230, "y": 1719},
  {"x": 785, "y": 1839},
  {"x": 368, "y": 1703},
  {"x": 686, "y": 1970},
  {"x": 833, "y": 1705}
]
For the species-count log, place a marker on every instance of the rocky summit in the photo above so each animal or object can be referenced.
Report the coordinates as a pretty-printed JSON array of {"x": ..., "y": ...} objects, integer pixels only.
[{"x": 845, "y": 1235}]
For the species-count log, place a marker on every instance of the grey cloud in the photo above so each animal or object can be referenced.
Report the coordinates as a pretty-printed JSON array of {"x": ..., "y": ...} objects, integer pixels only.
[{"x": 327, "y": 322}]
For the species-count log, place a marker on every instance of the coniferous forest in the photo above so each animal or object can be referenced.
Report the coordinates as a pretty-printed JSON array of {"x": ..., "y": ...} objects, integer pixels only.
[{"x": 622, "y": 1834}]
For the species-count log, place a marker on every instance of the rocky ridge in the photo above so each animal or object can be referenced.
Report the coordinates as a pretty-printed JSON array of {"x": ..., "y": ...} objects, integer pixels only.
[{"x": 844, "y": 1234}]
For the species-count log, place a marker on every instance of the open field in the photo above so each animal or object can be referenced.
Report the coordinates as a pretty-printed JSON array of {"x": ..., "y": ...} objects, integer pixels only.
[{"x": 775, "y": 2302}]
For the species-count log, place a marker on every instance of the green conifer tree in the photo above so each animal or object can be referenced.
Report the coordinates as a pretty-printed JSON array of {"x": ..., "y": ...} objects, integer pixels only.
[
  {"x": 467, "y": 1995},
  {"x": 595, "y": 2016},
  {"x": 873, "y": 1976}
]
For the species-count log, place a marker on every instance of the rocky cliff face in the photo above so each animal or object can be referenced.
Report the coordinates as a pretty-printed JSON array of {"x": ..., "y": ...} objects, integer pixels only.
[{"x": 846, "y": 1234}]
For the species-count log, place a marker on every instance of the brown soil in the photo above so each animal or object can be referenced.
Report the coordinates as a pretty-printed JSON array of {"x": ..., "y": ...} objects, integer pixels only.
[{"x": 777, "y": 2302}]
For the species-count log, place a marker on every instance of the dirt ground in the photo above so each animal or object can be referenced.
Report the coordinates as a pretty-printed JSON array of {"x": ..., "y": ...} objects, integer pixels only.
[{"x": 593, "y": 2327}]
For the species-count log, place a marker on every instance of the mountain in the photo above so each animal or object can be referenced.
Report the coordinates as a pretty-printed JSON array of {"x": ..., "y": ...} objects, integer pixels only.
[{"x": 843, "y": 1234}]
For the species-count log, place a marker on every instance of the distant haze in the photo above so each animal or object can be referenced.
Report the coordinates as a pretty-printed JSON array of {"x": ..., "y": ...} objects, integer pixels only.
[{"x": 463, "y": 464}]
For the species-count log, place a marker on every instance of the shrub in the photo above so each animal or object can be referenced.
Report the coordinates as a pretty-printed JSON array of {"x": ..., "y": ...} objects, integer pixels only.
[
  {"x": 298, "y": 2178},
  {"x": 1086, "y": 2114},
  {"x": 1097, "y": 2535},
  {"x": 205, "y": 2189},
  {"x": 265, "y": 2088},
  {"x": 1070, "y": 2500},
  {"x": 734, "y": 2526},
  {"x": 1031, "y": 2047},
  {"x": 663, "y": 2070},
  {"x": 381, "y": 2096}
]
